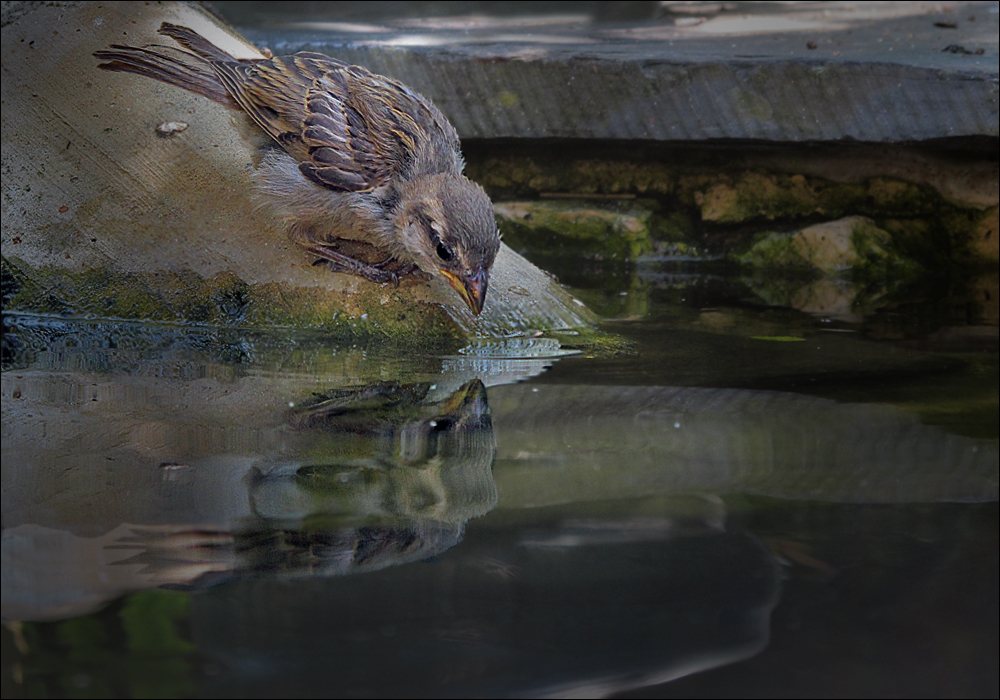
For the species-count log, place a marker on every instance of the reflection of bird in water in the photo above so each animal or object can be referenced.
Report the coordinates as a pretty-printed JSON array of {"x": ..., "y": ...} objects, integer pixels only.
[
  {"x": 413, "y": 471},
  {"x": 317, "y": 550},
  {"x": 184, "y": 557},
  {"x": 361, "y": 166},
  {"x": 397, "y": 416},
  {"x": 380, "y": 477},
  {"x": 384, "y": 449},
  {"x": 363, "y": 409}
]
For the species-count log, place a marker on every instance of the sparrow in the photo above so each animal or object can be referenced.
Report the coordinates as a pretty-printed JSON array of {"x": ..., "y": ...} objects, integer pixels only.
[{"x": 356, "y": 161}]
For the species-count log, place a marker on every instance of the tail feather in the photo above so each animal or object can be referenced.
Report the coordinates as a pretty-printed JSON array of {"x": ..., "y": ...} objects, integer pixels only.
[
  {"x": 191, "y": 70},
  {"x": 192, "y": 40}
]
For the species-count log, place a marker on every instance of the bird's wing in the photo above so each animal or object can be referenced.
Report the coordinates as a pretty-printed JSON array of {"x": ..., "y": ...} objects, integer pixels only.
[{"x": 350, "y": 130}]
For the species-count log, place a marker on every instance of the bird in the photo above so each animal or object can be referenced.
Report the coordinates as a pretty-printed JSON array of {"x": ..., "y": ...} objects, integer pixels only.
[{"x": 358, "y": 166}]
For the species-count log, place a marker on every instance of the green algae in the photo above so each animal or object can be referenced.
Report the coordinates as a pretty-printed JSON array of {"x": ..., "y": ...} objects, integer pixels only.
[
  {"x": 375, "y": 316},
  {"x": 694, "y": 206},
  {"x": 576, "y": 227},
  {"x": 853, "y": 245},
  {"x": 224, "y": 301},
  {"x": 591, "y": 208}
]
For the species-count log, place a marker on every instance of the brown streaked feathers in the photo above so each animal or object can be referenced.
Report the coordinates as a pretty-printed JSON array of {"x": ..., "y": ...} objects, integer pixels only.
[
  {"x": 384, "y": 153},
  {"x": 338, "y": 121},
  {"x": 348, "y": 132}
]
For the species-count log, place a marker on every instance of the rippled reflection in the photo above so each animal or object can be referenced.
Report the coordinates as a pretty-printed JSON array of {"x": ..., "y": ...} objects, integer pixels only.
[
  {"x": 163, "y": 469},
  {"x": 325, "y": 514}
]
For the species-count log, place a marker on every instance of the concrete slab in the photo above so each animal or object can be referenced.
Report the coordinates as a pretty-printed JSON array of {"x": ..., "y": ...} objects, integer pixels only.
[
  {"x": 781, "y": 72},
  {"x": 104, "y": 216}
]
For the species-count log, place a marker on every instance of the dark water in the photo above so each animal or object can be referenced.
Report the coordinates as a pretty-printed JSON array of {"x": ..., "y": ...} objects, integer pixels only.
[{"x": 761, "y": 501}]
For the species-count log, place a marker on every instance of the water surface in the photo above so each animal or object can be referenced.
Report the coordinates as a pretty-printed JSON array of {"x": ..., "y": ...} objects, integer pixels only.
[{"x": 760, "y": 500}]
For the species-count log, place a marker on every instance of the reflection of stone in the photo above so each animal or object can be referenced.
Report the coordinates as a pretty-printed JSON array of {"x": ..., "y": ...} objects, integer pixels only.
[
  {"x": 827, "y": 297},
  {"x": 986, "y": 236},
  {"x": 563, "y": 444},
  {"x": 838, "y": 269},
  {"x": 833, "y": 246},
  {"x": 172, "y": 478},
  {"x": 986, "y": 293}
]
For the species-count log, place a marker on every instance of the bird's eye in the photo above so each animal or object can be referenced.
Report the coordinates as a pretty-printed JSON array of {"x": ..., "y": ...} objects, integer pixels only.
[
  {"x": 443, "y": 252},
  {"x": 441, "y": 424}
]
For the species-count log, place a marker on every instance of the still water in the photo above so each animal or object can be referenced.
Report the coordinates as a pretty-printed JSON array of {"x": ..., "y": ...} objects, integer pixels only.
[{"x": 757, "y": 501}]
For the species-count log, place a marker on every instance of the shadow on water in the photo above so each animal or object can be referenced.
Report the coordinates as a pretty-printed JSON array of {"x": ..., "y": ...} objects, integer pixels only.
[{"x": 201, "y": 512}]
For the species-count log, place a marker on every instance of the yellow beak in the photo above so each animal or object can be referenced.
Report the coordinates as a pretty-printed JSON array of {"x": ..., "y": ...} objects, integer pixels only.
[{"x": 472, "y": 287}]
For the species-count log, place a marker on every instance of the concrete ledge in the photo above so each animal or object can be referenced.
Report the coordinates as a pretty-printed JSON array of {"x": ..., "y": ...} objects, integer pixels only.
[
  {"x": 799, "y": 72},
  {"x": 104, "y": 217}
]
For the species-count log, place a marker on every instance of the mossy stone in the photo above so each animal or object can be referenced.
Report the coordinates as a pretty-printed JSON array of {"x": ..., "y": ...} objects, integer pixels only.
[{"x": 577, "y": 227}]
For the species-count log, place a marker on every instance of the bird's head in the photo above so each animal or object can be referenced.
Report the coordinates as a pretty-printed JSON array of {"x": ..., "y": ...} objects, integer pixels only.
[{"x": 449, "y": 228}]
